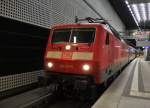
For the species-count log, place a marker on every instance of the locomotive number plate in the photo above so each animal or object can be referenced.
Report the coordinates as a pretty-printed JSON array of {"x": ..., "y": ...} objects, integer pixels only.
[
  {"x": 66, "y": 66},
  {"x": 67, "y": 55}
]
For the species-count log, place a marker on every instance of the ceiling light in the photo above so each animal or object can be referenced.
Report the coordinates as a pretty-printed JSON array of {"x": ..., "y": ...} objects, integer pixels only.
[
  {"x": 128, "y": 6},
  {"x": 130, "y": 10},
  {"x": 127, "y": 2},
  {"x": 148, "y": 5},
  {"x": 136, "y": 12},
  {"x": 143, "y": 11}
]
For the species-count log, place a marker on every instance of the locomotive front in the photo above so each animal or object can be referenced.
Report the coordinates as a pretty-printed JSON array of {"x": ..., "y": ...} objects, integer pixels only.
[{"x": 69, "y": 57}]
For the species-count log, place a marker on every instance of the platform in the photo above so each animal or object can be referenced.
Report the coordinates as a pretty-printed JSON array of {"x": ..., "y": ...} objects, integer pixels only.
[{"x": 130, "y": 90}]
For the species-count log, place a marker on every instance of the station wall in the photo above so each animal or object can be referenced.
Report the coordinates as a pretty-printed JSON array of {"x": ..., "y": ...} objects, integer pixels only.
[{"x": 45, "y": 13}]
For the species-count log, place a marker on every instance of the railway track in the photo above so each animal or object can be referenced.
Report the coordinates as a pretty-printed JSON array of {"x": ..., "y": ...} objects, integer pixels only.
[
  {"x": 37, "y": 98},
  {"x": 65, "y": 102},
  {"x": 71, "y": 104}
]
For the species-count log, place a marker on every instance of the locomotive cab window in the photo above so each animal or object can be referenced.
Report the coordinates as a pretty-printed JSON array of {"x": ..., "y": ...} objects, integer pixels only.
[
  {"x": 107, "y": 39},
  {"x": 83, "y": 35},
  {"x": 61, "y": 36},
  {"x": 75, "y": 35}
]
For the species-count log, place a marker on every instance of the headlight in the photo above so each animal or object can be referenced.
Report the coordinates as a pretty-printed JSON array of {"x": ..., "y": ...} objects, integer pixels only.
[
  {"x": 68, "y": 47},
  {"x": 50, "y": 64},
  {"x": 86, "y": 67}
]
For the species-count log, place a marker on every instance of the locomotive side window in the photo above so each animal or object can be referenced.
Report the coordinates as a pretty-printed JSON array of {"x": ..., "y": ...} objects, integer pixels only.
[
  {"x": 83, "y": 35},
  {"x": 61, "y": 36},
  {"x": 107, "y": 39}
]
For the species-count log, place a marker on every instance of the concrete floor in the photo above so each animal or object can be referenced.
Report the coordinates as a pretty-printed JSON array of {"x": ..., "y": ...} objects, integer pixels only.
[{"x": 130, "y": 90}]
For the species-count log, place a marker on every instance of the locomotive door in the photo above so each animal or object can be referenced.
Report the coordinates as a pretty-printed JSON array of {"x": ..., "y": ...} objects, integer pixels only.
[
  {"x": 111, "y": 57},
  {"x": 109, "y": 48}
]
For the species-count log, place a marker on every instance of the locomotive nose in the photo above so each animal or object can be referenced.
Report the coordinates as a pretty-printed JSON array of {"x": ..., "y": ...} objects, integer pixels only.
[{"x": 72, "y": 67}]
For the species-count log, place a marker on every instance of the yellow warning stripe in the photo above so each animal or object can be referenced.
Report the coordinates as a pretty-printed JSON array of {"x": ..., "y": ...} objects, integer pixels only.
[
  {"x": 82, "y": 56},
  {"x": 75, "y": 56},
  {"x": 54, "y": 54}
]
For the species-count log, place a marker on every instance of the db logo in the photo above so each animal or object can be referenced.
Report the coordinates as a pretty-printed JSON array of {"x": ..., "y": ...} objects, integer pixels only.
[{"x": 67, "y": 55}]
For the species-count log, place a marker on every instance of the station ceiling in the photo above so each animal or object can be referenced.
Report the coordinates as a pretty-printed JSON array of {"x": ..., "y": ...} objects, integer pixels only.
[{"x": 135, "y": 14}]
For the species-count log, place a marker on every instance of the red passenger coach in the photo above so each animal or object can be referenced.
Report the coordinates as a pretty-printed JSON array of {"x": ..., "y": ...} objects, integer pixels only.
[{"x": 80, "y": 56}]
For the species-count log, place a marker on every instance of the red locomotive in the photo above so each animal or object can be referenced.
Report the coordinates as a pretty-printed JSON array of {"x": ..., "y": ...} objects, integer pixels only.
[{"x": 80, "y": 56}]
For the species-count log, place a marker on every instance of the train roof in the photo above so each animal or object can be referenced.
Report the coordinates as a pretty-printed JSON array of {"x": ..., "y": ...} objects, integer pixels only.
[
  {"x": 83, "y": 25},
  {"x": 77, "y": 25},
  {"x": 104, "y": 26}
]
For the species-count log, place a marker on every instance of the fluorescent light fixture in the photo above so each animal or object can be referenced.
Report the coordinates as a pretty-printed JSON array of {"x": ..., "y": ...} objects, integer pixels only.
[
  {"x": 130, "y": 10},
  {"x": 127, "y": 2},
  {"x": 143, "y": 11},
  {"x": 135, "y": 20},
  {"x": 136, "y": 12},
  {"x": 148, "y": 5},
  {"x": 128, "y": 6}
]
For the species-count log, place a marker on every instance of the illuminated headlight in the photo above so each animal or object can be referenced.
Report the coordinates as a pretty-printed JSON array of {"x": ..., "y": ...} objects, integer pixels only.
[
  {"x": 68, "y": 47},
  {"x": 50, "y": 64},
  {"x": 86, "y": 67}
]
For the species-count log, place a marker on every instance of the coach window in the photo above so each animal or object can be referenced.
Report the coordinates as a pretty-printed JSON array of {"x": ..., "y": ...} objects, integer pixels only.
[{"x": 107, "y": 38}]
